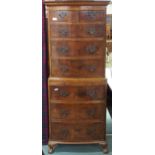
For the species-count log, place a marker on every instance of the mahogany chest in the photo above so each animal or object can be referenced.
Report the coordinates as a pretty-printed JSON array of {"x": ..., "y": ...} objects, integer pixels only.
[{"x": 76, "y": 84}]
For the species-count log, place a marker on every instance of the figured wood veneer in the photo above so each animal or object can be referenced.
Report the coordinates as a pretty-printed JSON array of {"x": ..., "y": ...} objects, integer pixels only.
[{"x": 77, "y": 84}]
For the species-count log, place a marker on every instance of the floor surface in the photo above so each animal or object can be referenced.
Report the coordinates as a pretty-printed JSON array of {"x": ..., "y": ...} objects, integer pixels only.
[{"x": 84, "y": 149}]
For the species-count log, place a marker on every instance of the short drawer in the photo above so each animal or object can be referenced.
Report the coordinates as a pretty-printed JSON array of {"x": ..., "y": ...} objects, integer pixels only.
[
  {"x": 79, "y": 111},
  {"x": 64, "y": 16},
  {"x": 77, "y": 68},
  {"x": 77, "y": 93},
  {"x": 78, "y": 30},
  {"x": 75, "y": 132},
  {"x": 92, "y": 16},
  {"x": 77, "y": 48}
]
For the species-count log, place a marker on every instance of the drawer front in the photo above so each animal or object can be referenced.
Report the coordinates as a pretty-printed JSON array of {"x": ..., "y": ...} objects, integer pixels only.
[
  {"x": 77, "y": 16},
  {"x": 77, "y": 131},
  {"x": 62, "y": 111},
  {"x": 91, "y": 111},
  {"x": 77, "y": 48},
  {"x": 77, "y": 68},
  {"x": 64, "y": 16},
  {"x": 92, "y": 16},
  {"x": 80, "y": 30},
  {"x": 77, "y": 93},
  {"x": 79, "y": 111}
]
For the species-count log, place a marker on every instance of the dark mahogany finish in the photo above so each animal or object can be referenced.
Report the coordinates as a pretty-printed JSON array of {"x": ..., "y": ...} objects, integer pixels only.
[{"x": 77, "y": 84}]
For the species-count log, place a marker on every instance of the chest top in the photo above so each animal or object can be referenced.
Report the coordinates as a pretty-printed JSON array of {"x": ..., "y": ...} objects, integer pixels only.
[{"x": 76, "y": 2}]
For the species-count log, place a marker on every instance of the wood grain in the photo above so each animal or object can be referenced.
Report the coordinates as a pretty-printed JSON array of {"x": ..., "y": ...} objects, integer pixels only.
[
  {"x": 77, "y": 85},
  {"x": 76, "y": 48}
]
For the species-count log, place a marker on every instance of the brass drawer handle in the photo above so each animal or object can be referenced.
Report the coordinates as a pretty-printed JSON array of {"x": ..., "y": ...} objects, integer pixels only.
[
  {"x": 64, "y": 93},
  {"x": 91, "y": 14},
  {"x": 91, "y": 131},
  {"x": 64, "y": 133},
  {"x": 64, "y": 68},
  {"x": 91, "y": 112},
  {"x": 91, "y": 49},
  {"x": 64, "y": 113},
  {"x": 62, "y": 14},
  {"x": 63, "y": 49},
  {"x": 78, "y": 130},
  {"x": 64, "y": 32},
  {"x": 92, "y": 93},
  {"x": 92, "y": 31},
  {"x": 91, "y": 68}
]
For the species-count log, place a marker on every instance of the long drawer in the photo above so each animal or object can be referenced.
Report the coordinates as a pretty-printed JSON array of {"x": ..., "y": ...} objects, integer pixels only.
[
  {"x": 77, "y": 67},
  {"x": 82, "y": 111},
  {"x": 78, "y": 30},
  {"x": 75, "y": 132},
  {"x": 93, "y": 48},
  {"x": 77, "y": 93},
  {"x": 73, "y": 89}
]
